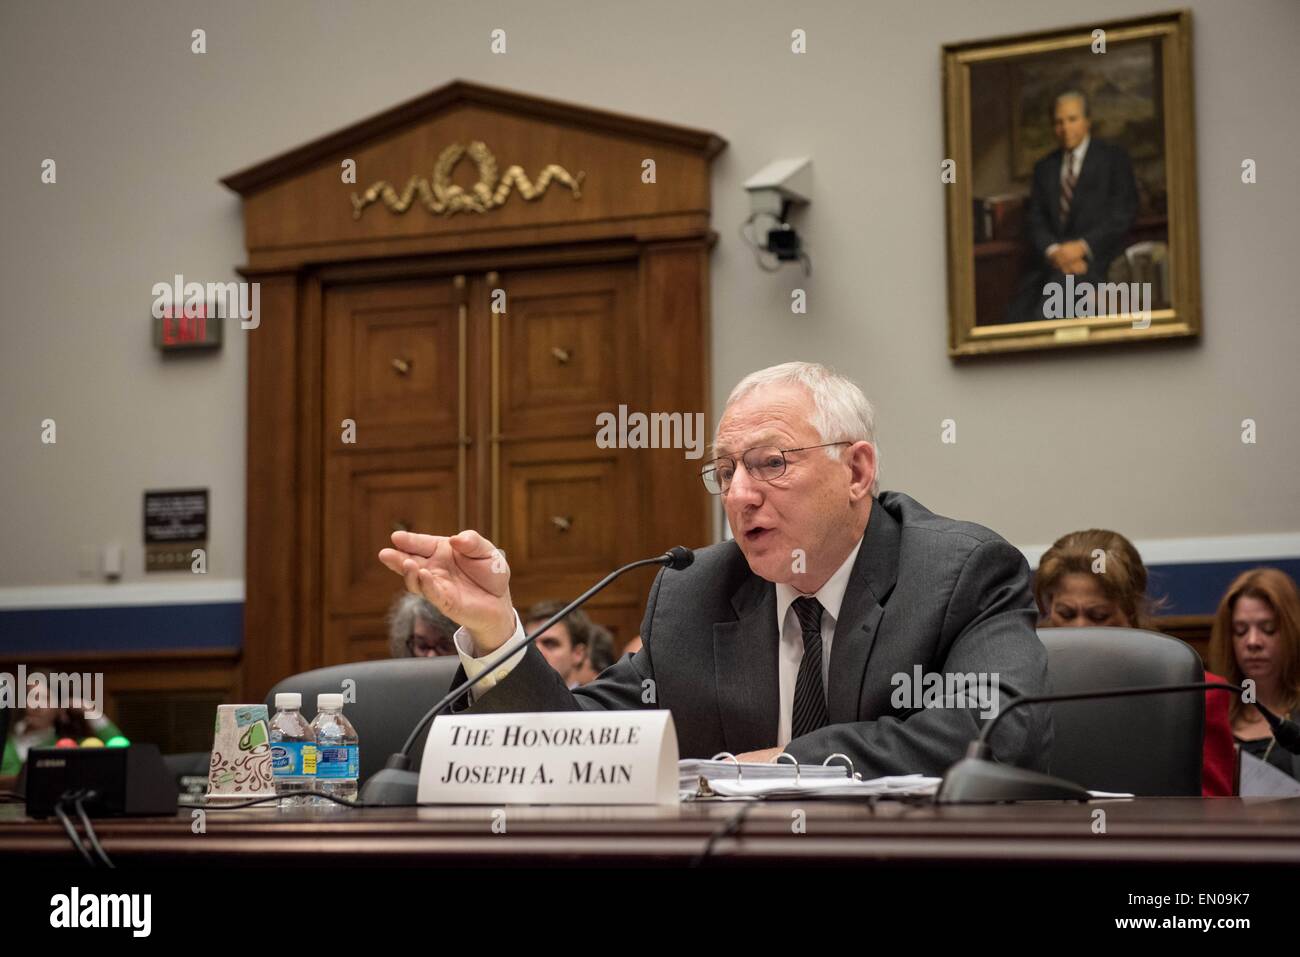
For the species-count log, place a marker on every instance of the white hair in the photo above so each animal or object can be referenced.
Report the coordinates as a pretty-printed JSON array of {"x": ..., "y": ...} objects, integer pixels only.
[
  {"x": 1070, "y": 95},
  {"x": 840, "y": 411}
]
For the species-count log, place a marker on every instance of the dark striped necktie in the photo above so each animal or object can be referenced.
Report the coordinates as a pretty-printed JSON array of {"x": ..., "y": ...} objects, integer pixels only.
[
  {"x": 809, "y": 698},
  {"x": 1067, "y": 186}
]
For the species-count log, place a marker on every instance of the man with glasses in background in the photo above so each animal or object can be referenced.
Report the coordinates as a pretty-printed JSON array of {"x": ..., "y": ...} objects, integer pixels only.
[{"x": 797, "y": 635}]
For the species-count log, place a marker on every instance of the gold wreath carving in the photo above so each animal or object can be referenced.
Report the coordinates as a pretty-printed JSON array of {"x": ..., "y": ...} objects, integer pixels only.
[{"x": 446, "y": 198}]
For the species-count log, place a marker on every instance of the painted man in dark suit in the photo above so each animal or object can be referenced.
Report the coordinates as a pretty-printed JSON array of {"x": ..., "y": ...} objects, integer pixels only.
[
  {"x": 796, "y": 635},
  {"x": 1081, "y": 207}
]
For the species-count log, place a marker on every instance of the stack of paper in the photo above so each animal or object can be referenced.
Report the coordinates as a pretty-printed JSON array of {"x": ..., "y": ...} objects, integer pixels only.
[
  {"x": 901, "y": 785},
  {"x": 692, "y": 771}
]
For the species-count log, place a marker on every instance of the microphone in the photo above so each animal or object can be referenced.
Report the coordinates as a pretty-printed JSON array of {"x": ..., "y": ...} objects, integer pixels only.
[
  {"x": 396, "y": 783},
  {"x": 978, "y": 779},
  {"x": 678, "y": 557},
  {"x": 1285, "y": 731}
]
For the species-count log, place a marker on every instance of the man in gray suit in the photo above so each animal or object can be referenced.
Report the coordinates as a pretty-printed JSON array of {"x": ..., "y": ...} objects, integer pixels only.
[{"x": 805, "y": 634}]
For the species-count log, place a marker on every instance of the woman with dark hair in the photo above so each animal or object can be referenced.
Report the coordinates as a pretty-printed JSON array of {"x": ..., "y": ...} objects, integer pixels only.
[
  {"x": 1095, "y": 578},
  {"x": 1090, "y": 579},
  {"x": 1256, "y": 637}
]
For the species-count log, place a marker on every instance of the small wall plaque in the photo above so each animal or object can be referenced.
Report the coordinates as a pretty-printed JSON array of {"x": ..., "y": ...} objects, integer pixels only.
[{"x": 175, "y": 523}]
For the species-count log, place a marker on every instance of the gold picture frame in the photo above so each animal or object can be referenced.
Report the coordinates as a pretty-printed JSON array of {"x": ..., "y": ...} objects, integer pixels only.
[{"x": 1005, "y": 293}]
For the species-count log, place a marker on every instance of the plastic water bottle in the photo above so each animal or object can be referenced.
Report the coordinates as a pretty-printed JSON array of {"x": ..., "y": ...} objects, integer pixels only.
[
  {"x": 337, "y": 755},
  {"x": 293, "y": 751}
]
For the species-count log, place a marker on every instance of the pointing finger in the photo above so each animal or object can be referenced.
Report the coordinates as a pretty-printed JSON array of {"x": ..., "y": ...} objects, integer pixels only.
[
  {"x": 416, "y": 544},
  {"x": 393, "y": 559}
]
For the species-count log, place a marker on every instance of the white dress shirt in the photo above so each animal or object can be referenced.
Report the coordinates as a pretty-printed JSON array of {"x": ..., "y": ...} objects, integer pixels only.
[
  {"x": 474, "y": 666},
  {"x": 789, "y": 652}
]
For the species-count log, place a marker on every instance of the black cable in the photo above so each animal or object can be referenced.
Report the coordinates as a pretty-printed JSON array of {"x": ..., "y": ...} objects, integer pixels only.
[
  {"x": 360, "y": 804},
  {"x": 328, "y": 797},
  {"x": 90, "y": 830},
  {"x": 1278, "y": 726},
  {"x": 758, "y": 250},
  {"x": 73, "y": 836},
  {"x": 236, "y": 807},
  {"x": 728, "y": 829}
]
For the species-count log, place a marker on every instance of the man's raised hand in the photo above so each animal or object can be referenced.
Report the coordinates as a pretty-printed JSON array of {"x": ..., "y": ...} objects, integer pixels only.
[{"x": 464, "y": 575}]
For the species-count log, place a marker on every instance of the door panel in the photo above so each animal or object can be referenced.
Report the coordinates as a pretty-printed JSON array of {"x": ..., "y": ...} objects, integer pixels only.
[
  {"x": 468, "y": 417},
  {"x": 352, "y": 638},
  {"x": 568, "y": 517},
  {"x": 567, "y": 342},
  {"x": 392, "y": 365},
  {"x": 367, "y": 498}
]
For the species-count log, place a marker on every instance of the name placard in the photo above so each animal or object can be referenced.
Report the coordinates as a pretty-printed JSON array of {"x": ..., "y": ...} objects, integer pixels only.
[{"x": 554, "y": 757}]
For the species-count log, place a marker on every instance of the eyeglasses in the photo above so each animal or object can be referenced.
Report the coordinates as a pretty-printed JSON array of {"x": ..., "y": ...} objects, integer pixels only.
[
  {"x": 421, "y": 647},
  {"x": 764, "y": 462}
]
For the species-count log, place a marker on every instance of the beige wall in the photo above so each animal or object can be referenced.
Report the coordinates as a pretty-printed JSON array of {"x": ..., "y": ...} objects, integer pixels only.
[{"x": 1146, "y": 441}]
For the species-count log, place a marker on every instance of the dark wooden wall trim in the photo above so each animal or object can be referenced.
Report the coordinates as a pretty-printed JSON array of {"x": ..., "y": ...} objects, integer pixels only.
[
  {"x": 1193, "y": 629},
  {"x": 273, "y": 553},
  {"x": 156, "y": 671}
]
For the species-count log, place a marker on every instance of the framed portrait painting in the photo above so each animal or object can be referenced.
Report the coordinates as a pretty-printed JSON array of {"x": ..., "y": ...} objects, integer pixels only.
[{"x": 1071, "y": 187}]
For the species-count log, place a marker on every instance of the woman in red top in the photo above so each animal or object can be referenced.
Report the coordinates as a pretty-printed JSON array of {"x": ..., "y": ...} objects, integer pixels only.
[
  {"x": 1256, "y": 637},
  {"x": 1096, "y": 578}
]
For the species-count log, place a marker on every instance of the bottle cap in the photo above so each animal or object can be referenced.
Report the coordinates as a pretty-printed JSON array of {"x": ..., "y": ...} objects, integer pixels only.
[
  {"x": 288, "y": 699},
  {"x": 331, "y": 701}
]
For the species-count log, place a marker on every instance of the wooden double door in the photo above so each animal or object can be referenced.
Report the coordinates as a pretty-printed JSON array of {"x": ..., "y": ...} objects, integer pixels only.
[{"x": 470, "y": 400}]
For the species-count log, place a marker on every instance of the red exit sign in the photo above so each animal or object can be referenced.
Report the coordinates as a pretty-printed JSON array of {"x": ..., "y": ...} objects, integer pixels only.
[{"x": 174, "y": 330}]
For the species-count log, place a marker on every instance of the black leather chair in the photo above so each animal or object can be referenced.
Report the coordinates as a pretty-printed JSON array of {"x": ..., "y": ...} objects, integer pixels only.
[
  {"x": 1149, "y": 745},
  {"x": 392, "y": 694}
]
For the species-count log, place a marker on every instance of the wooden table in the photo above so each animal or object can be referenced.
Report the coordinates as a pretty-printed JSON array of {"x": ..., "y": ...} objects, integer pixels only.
[
  {"x": 1168, "y": 831},
  {"x": 889, "y": 873}
]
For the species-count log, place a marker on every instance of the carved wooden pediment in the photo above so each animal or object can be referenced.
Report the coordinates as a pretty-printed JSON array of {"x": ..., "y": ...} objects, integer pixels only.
[{"x": 467, "y": 165}]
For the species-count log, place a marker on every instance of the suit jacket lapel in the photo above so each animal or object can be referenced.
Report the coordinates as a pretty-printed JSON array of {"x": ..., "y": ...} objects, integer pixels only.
[
  {"x": 1054, "y": 191},
  {"x": 745, "y": 658},
  {"x": 1088, "y": 169},
  {"x": 873, "y": 578}
]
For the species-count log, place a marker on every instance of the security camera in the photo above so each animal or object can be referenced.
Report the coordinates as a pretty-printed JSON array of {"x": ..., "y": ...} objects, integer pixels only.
[
  {"x": 772, "y": 191},
  {"x": 779, "y": 184}
]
